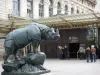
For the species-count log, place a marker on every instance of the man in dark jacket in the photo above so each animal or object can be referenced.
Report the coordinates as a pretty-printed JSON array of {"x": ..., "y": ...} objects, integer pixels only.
[
  {"x": 88, "y": 52},
  {"x": 66, "y": 52}
]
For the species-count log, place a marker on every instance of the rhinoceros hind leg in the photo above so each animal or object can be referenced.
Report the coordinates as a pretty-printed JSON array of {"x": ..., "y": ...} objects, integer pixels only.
[{"x": 7, "y": 53}]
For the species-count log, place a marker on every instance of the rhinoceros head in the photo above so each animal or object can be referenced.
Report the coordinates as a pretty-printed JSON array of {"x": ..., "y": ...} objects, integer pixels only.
[{"x": 52, "y": 34}]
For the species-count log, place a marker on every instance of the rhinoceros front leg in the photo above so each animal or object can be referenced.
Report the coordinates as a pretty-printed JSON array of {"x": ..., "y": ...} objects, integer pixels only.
[{"x": 35, "y": 46}]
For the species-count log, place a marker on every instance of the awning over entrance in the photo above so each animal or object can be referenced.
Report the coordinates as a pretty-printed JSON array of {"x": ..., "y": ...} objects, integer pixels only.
[{"x": 59, "y": 21}]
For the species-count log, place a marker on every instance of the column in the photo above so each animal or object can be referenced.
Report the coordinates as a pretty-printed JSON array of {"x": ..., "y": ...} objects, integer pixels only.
[
  {"x": 23, "y": 8},
  {"x": 69, "y": 8},
  {"x": 35, "y": 9},
  {"x": 75, "y": 9},
  {"x": 62, "y": 7},
  {"x": 55, "y": 9},
  {"x": 46, "y": 9},
  {"x": 80, "y": 9}
]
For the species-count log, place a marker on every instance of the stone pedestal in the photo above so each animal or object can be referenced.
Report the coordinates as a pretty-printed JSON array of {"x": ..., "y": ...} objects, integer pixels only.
[
  {"x": 32, "y": 64},
  {"x": 10, "y": 73}
]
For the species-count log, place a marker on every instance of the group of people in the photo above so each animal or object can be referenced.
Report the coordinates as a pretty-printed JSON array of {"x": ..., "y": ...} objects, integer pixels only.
[
  {"x": 63, "y": 51},
  {"x": 89, "y": 53}
]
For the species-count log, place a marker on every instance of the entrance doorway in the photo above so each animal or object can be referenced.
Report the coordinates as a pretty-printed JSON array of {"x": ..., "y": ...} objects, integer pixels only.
[{"x": 73, "y": 48}]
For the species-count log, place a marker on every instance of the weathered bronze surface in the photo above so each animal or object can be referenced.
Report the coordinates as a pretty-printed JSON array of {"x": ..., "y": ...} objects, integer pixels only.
[{"x": 32, "y": 63}]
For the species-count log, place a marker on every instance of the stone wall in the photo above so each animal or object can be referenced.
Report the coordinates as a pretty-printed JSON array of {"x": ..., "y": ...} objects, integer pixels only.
[
  {"x": 1, "y": 48},
  {"x": 3, "y": 9},
  {"x": 2, "y": 39}
]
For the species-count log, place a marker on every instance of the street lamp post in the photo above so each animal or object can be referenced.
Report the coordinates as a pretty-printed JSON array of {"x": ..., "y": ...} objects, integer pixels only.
[{"x": 93, "y": 35}]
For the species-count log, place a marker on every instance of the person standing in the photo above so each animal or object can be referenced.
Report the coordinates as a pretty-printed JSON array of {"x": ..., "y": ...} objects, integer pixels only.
[
  {"x": 60, "y": 52},
  {"x": 88, "y": 52},
  {"x": 66, "y": 52},
  {"x": 93, "y": 53},
  {"x": 81, "y": 52}
]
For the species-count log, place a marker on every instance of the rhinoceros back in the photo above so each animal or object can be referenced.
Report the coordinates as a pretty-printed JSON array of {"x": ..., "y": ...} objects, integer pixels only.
[
  {"x": 41, "y": 26},
  {"x": 22, "y": 36},
  {"x": 17, "y": 37}
]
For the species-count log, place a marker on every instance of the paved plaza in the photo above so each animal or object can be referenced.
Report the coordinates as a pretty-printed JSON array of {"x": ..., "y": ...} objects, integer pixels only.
[{"x": 71, "y": 67}]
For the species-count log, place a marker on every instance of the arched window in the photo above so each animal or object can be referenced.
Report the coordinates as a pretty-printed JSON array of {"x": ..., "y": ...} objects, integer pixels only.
[
  {"x": 66, "y": 9},
  {"x": 30, "y": 8},
  {"x": 82, "y": 11},
  {"x": 78, "y": 11},
  {"x": 82, "y": 1},
  {"x": 58, "y": 8},
  {"x": 72, "y": 10},
  {"x": 51, "y": 8},
  {"x": 16, "y": 7},
  {"x": 41, "y": 8}
]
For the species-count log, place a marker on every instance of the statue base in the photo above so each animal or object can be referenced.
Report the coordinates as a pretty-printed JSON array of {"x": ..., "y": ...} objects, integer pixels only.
[
  {"x": 26, "y": 70},
  {"x": 11, "y": 73},
  {"x": 32, "y": 64}
]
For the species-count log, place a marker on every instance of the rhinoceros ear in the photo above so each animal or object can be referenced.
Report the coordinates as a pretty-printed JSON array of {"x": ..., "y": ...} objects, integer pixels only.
[
  {"x": 56, "y": 30},
  {"x": 53, "y": 30}
]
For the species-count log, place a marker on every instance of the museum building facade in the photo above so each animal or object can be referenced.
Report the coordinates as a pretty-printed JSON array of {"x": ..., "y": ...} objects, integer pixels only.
[{"x": 36, "y": 9}]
